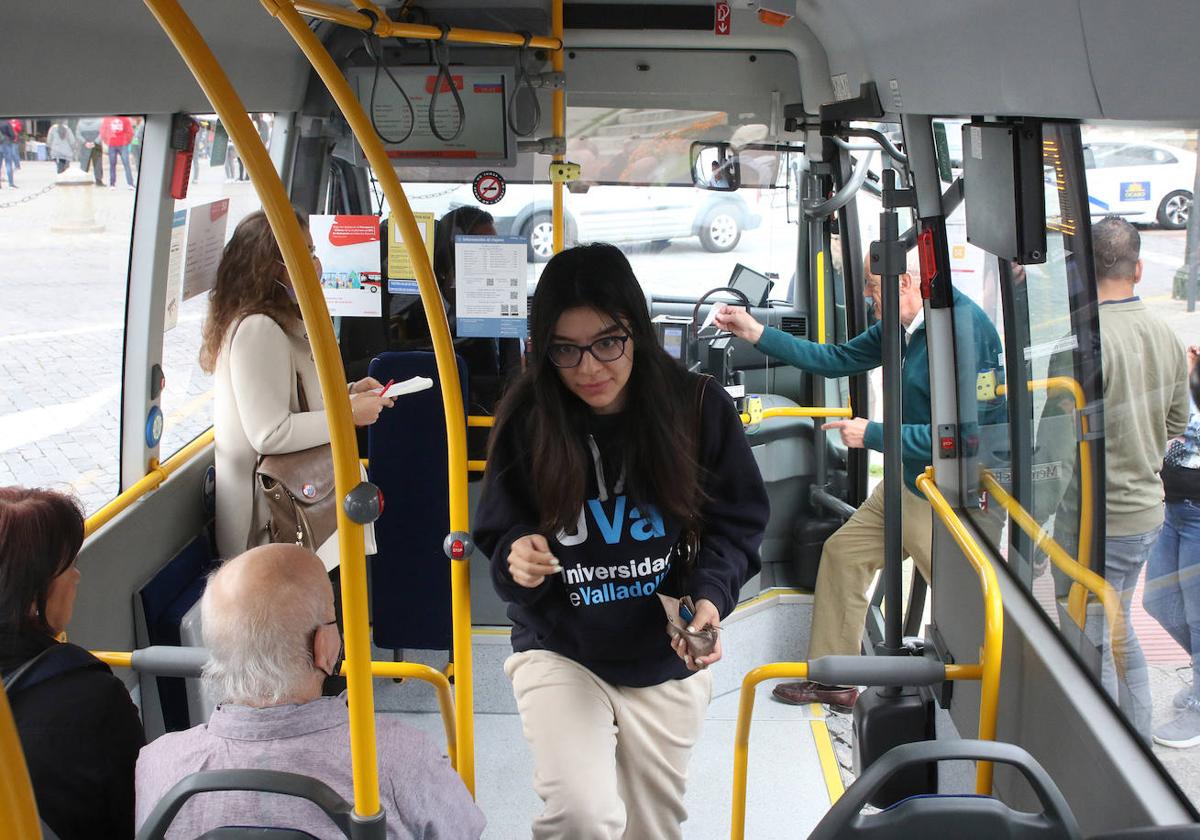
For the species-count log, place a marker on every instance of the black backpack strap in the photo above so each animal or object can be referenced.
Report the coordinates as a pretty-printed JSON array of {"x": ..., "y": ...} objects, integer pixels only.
[{"x": 54, "y": 661}]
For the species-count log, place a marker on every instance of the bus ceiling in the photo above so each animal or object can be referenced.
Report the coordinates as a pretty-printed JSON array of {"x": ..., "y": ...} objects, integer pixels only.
[{"x": 1084, "y": 59}]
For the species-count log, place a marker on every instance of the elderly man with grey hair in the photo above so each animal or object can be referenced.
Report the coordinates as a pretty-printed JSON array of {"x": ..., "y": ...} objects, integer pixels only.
[{"x": 270, "y": 627}]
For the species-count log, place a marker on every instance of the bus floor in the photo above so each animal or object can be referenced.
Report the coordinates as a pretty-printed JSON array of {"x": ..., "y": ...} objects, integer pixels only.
[{"x": 794, "y": 767}]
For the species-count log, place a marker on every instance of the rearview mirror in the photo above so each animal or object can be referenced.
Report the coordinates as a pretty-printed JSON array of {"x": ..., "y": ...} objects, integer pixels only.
[{"x": 715, "y": 167}]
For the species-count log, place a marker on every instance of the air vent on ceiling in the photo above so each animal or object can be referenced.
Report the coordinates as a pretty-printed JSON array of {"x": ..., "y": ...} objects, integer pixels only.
[
  {"x": 796, "y": 325},
  {"x": 631, "y": 16}
]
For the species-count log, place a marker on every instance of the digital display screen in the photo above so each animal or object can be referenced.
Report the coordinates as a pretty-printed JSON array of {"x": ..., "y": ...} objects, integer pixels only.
[
  {"x": 672, "y": 341},
  {"x": 753, "y": 285}
]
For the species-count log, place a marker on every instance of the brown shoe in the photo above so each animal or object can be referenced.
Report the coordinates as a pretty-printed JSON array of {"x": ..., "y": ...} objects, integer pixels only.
[{"x": 838, "y": 698}]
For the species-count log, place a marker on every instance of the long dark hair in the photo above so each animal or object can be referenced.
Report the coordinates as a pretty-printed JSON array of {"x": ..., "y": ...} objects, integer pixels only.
[
  {"x": 249, "y": 279},
  {"x": 659, "y": 418},
  {"x": 40, "y": 535}
]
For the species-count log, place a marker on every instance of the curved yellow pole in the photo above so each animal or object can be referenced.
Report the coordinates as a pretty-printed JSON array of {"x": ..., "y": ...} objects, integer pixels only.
[
  {"x": 741, "y": 738},
  {"x": 1077, "y": 600},
  {"x": 17, "y": 805},
  {"x": 1108, "y": 597},
  {"x": 993, "y": 620},
  {"x": 456, "y": 424},
  {"x": 299, "y": 264}
]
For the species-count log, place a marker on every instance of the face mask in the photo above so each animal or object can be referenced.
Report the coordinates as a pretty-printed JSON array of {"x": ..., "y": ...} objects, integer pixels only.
[{"x": 291, "y": 293}]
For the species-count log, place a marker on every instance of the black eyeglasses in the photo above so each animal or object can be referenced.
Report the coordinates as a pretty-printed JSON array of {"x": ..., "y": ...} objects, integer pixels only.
[{"x": 607, "y": 349}]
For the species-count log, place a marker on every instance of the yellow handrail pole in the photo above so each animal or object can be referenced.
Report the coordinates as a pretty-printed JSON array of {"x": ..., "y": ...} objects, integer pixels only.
[
  {"x": 154, "y": 478},
  {"x": 821, "y": 296},
  {"x": 17, "y": 803},
  {"x": 993, "y": 621},
  {"x": 413, "y": 670},
  {"x": 1077, "y": 600},
  {"x": 477, "y": 421},
  {"x": 741, "y": 743},
  {"x": 558, "y": 102},
  {"x": 456, "y": 424},
  {"x": 387, "y": 28},
  {"x": 741, "y": 738},
  {"x": 1083, "y": 576},
  {"x": 299, "y": 264},
  {"x": 803, "y": 411}
]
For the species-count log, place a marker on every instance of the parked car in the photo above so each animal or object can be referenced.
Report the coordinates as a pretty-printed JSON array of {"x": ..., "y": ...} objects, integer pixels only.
[
  {"x": 1143, "y": 181},
  {"x": 605, "y": 213}
]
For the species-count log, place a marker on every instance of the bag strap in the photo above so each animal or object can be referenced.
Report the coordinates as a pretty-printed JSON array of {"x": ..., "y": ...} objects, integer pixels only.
[{"x": 54, "y": 661}]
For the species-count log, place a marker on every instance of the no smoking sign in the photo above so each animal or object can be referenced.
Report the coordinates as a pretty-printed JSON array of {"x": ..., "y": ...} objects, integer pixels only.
[{"x": 488, "y": 187}]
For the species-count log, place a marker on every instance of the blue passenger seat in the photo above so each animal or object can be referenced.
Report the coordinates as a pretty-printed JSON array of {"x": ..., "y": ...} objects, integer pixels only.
[{"x": 410, "y": 575}]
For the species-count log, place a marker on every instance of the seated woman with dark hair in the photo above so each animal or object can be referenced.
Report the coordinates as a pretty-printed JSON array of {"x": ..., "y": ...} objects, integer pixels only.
[
  {"x": 79, "y": 730},
  {"x": 490, "y": 362}
]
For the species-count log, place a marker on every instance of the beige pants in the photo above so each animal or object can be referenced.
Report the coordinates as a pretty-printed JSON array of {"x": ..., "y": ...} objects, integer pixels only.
[
  {"x": 850, "y": 560},
  {"x": 610, "y": 762}
]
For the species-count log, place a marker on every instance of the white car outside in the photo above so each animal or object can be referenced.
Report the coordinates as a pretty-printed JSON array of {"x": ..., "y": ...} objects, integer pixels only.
[
  {"x": 603, "y": 213},
  {"x": 1145, "y": 182}
]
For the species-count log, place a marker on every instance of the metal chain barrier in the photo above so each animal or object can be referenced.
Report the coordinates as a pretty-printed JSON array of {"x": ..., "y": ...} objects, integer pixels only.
[{"x": 25, "y": 198}]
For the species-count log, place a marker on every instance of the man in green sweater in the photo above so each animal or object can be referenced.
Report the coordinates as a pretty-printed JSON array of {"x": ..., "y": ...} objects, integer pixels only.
[
  {"x": 853, "y": 555},
  {"x": 1145, "y": 403}
]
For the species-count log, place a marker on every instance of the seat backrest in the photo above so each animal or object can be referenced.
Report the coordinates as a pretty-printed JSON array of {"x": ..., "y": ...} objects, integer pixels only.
[{"x": 410, "y": 574}]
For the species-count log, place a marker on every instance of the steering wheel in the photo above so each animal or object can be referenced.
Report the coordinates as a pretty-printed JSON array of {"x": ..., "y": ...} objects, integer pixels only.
[{"x": 738, "y": 293}]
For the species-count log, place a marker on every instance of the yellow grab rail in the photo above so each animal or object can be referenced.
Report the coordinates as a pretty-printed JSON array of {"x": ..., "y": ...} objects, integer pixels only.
[
  {"x": 993, "y": 620},
  {"x": 821, "y": 297},
  {"x": 478, "y": 421},
  {"x": 17, "y": 803},
  {"x": 1108, "y": 597},
  {"x": 741, "y": 738},
  {"x": 393, "y": 670},
  {"x": 299, "y": 264},
  {"x": 154, "y": 478},
  {"x": 1077, "y": 601},
  {"x": 456, "y": 433},
  {"x": 387, "y": 28},
  {"x": 741, "y": 742},
  {"x": 803, "y": 411}
]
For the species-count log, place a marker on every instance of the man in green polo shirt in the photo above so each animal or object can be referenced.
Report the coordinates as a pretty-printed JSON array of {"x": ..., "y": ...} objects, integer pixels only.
[{"x": 853, "y": 555}]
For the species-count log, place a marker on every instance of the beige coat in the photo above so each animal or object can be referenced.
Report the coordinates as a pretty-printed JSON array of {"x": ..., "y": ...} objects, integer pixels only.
[{"x": 257, "y": 412}]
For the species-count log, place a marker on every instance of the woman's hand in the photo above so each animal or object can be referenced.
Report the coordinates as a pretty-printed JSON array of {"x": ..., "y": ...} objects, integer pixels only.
[
  {"x": 1193, "y": 353},
  {"x": 530, "y": 561},
  {"x": 706, "y": 616},
  {"x": 369, "y": 383},
  {"x": 738, "y": 321},
  {"x": 366, "y": 407}
]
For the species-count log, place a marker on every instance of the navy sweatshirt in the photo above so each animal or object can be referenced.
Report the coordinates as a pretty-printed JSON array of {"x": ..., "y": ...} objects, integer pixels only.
[{"x": 602, "y": 610}]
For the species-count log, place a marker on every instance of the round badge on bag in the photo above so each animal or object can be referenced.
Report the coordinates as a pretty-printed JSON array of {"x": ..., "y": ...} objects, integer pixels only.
[{"x": 309, "y": 491}]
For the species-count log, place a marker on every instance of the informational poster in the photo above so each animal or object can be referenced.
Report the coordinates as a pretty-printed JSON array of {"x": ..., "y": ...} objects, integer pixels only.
[
  {"x": 175, "y": 269},
  {"x": 348, "y": 247},
  {"x": 402, "y": 278},
  {"x": 205, "y": 242},
  {"x": 491, "y": 286}
]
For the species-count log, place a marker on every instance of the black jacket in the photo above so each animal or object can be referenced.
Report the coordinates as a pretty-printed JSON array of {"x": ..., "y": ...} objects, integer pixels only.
[
  {"x": 602, "y": 610},
  {"x": 81, "y": 734}
]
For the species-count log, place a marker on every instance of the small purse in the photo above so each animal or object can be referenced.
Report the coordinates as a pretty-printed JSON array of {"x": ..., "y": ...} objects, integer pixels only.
[{"x": 299, "y": 491}]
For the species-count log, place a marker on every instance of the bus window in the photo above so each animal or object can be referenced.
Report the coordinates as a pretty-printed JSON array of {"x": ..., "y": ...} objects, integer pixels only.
[
  {"x": 62, "y": 306},
  {"x": 219, "y": 196}
]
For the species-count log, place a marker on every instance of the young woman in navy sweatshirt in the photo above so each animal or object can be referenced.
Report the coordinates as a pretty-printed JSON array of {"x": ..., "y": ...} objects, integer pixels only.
[{"x": 606, "y": 457}]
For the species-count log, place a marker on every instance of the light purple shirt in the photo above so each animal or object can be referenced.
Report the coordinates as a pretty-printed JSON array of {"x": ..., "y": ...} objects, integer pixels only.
[{"x": 422, "y": 797}]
